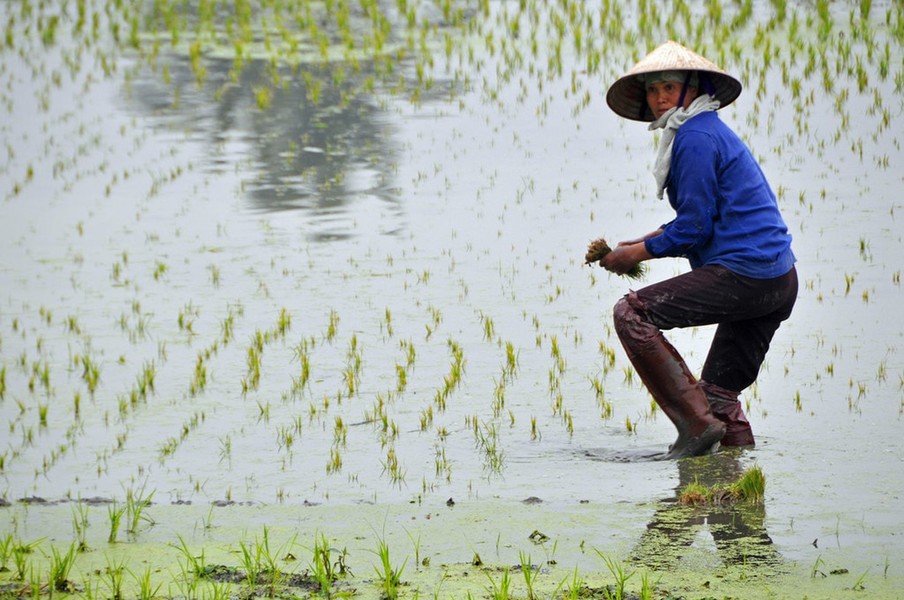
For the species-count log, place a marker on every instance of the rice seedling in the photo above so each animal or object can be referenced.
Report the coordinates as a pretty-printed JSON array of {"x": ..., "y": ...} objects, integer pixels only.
[
  {"x": 859, "y": 585},
  {"x": 389, "y": 577},
  {"x": 333, "y": 326},
  {"x": 196, "y": 566},
  {"x": 442, "y": 465},
  {"x": 283, "y": 323},
  {"x": 227, "y": 326},
  {"x": 261, "y": 563},
  {"x": 41, "y": 372},
  {"x": 392, "y": 467},
  {"x": 91, "y": 586},
  {"x": 387, "y": 322},
  {"x": 251, "y": 562},
  {"x": 486, "y": 438},
  {"x": 113, "y": 575},
  {"x": 7, "y": 545},
  {"x": 136, "y": 504},
  {"x": 322, "y": 566},
  {"x": 501, "y": 590},
  {"x": 488, "y": 327},
  {"x": 80, "y": 524},
  {"x": 60, "y": 566},
  {"x": 617, "y": 569},
  {"x": 751, "y": 486},
  {"x": 530, "y": 575},
  {"x": 186, "y": 319},
  {"x": 115, "y": 512},
  {"x": 160, "y": 269},
  {"x": 146, "y": 379},
  {"x": 20, "y": 552},
  {"x": 410, "y": 353},
  {"x": 147, "y": 589},
  {"x": 556, "y": 353},
  {"x": 573, "y": 589},
  {"x": 34, "y": 588},
  {"x": 630, "y": 426},
  {"x": 350, "y": 377},
  {"x": 511, "y": 360},
  {"x": 815, "y": 569},
  {"x": 221, "y": 590},
  {"x": 647, "y": 585},
  {"x": 416, "y": 544},
  {"x": 168, "y": 448},
  {"x": 629, "y": 375},
  {"x": 334, "y": 465},
  {"x": 199, "y": 376},
  {"x": 187, "y": 584}
]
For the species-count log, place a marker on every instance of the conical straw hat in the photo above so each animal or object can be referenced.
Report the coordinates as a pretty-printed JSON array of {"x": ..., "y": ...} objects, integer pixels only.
[{"x": 628, "y": 98}]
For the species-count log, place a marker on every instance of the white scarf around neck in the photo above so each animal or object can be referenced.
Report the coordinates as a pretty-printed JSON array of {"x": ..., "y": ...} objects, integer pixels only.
[{"x": 670, "y": 121}]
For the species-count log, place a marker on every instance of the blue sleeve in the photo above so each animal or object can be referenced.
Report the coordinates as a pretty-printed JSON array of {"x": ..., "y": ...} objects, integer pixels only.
[{"x": 693, "y": 176}]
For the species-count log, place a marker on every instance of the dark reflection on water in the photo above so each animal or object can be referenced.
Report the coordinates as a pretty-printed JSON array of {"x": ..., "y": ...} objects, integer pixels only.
[
  {"x": 319, "y": 145},
  {"x": 738, "y": 530}
]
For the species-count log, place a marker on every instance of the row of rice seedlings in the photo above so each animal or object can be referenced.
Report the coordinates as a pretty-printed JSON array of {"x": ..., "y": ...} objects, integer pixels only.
[
  {"x": 574, "y": 585},
  {"x": 561, "y": 19},
  {"x": 297, "y": 31},
  {"x": 763, "y": 42},
  {"x": 254, "y": 355},
  {"x": 286, "y": 435},
  {"x": 453, "y": 379}
]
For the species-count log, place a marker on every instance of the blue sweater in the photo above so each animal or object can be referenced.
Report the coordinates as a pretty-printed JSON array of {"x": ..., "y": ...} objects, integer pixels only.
[{"x": 726, "y": 213}]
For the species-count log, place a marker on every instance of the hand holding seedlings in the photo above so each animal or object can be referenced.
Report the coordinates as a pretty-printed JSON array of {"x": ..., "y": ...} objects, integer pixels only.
[{"x": 624, "y": 263}]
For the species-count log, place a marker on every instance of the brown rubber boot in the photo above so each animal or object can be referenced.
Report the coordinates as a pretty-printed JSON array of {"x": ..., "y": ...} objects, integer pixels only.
[
  {"x": 669, "y": 381},
  {"x": 727, "y": 408}
]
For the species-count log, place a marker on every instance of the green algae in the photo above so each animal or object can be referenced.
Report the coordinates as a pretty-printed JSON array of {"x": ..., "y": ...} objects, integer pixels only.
[{"x": 199, "y": 550}]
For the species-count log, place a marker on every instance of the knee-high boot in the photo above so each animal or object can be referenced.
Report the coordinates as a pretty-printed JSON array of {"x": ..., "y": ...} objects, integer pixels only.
[
  {"x": 669, "y": 381},
  {"x": 726, "y": 407}
]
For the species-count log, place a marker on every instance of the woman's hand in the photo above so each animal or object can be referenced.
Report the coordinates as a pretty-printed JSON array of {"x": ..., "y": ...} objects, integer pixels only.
[{"x": 625, "y": 256}]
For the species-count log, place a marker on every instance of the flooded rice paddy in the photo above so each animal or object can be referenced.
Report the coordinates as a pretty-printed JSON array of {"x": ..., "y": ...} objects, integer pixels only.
[{"x": 324, "y": 274}]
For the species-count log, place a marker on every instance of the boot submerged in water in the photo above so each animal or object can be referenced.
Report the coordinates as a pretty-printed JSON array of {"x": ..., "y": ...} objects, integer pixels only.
[{"x": 699, "y": 431}]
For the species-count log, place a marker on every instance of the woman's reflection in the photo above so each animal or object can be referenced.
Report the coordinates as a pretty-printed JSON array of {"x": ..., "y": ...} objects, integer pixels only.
[{"x": 737, "y": 528}]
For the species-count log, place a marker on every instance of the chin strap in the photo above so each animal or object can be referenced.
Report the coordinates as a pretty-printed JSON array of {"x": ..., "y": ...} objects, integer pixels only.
[{"x": 687, "y": 79}]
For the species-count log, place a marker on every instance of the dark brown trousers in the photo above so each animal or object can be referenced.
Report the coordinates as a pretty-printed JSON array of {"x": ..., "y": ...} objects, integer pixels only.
[{"x": 747, "y": 311}]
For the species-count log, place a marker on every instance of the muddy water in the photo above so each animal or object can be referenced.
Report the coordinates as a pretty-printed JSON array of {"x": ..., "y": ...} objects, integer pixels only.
[{"x": 201, "y": 253}]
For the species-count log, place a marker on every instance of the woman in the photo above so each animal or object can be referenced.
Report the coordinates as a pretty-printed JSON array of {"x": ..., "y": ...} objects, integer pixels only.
[{"x": 727, "y": 224}]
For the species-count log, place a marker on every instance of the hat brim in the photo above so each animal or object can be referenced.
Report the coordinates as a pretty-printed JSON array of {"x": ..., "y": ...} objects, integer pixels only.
[{"x": 627, "y": 97}]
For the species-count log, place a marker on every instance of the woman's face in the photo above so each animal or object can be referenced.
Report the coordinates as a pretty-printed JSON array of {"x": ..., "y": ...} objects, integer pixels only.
[{"x": 663, "y": 95}]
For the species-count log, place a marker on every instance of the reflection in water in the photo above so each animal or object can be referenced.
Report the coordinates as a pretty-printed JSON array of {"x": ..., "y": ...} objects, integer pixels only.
[
  {"x": 738, "y": 530},
  {"x": 314, "y": 142}
]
